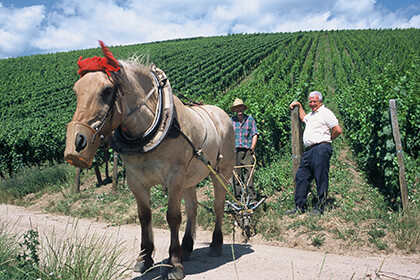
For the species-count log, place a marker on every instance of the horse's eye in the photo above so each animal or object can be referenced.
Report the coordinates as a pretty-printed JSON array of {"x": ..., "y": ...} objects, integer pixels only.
[{"x": 107, "y": 95}]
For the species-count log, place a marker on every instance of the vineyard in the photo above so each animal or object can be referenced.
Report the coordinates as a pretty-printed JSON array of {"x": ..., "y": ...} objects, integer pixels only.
[{"x": 358, "y": 71}]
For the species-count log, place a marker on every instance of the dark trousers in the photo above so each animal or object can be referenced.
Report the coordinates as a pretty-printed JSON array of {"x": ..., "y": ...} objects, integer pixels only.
[
  {"x": 315, "y": 164},
  {"x": 244, "y": 157}
]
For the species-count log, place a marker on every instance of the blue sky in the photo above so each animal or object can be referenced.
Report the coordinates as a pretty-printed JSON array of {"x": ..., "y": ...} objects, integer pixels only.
[{"x": 44, "y": 26}]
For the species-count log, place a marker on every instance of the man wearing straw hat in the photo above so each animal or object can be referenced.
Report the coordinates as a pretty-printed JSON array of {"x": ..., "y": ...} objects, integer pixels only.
[{"x": 246, "y": 135}]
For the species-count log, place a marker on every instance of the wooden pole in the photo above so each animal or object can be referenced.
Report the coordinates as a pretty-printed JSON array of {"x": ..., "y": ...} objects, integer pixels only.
[
  {"x": 115, "y": 173},
  {"x": 77, "y": 180},
  {"x": 297, "y": 148},
  {"x": 398, "y": 146}
]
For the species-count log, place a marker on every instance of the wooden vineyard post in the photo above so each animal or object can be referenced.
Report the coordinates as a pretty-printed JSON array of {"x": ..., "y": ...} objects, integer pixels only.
[
  {"x": 398, "y": 146},
  {"x": 297, "y": 149},
  {"x": 77, "y": 180},
  {"x": 115, "y": 173}
]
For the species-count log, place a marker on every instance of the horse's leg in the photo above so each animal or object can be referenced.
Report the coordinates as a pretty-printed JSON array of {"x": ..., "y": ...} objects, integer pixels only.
[
  {"x": 190, "y": 199},
  {"x": 173, "y": 217},
  {"x": 142, "y": 195},
  {"x": 219, "y": 203}
]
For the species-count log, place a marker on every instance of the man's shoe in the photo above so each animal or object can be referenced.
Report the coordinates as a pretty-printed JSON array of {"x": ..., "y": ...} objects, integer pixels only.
[
  {"x": 316, "y": 212},
  {"x": 294, "y": 211}
]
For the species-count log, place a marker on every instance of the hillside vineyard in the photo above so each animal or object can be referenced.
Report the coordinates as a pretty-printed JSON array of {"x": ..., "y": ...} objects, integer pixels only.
[{"x": 358, "y": 71}]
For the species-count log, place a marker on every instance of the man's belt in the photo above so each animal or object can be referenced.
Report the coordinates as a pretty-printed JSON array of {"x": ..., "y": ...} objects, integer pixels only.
[{"x": 317, "y": 144}]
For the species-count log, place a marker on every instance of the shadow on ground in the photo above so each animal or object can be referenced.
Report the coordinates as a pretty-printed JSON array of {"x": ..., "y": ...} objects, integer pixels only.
[{"x": 201, "y": 262}]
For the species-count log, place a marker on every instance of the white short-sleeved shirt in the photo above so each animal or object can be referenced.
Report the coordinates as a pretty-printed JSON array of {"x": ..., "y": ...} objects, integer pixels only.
[{"x": 318, "y": 126}]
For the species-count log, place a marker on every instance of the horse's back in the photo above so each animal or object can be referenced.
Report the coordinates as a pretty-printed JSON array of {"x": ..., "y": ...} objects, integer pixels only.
[{"x": 223, "y": 132}]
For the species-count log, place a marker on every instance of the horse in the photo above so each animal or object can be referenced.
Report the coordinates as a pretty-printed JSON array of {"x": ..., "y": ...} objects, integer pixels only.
[{"x": 161, "y": 140}]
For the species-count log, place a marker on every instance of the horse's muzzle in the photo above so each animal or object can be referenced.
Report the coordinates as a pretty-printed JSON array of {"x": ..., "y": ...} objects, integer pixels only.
[{"x": 80, "y": 150}]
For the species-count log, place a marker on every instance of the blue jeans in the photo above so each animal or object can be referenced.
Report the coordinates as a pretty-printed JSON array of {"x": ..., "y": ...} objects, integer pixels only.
[{"x": 315, "y": 164}]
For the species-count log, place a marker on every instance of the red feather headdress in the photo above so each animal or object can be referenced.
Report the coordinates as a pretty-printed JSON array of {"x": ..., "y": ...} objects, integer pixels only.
[{"x": 107, "y": 63}]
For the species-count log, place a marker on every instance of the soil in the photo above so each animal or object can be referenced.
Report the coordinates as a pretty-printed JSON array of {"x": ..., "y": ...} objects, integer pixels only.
[{"x": 256, "y": 259}]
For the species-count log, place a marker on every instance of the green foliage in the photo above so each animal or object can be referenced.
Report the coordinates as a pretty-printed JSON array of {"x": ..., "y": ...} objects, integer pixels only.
[{"x": 387, "y": 72}]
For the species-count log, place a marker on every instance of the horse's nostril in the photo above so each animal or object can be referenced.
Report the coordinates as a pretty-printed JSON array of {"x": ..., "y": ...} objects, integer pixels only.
[{"x": 81, "y": 142}]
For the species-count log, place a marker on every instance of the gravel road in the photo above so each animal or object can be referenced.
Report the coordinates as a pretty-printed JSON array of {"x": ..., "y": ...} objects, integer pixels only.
[{"x": 254, "y": 260}]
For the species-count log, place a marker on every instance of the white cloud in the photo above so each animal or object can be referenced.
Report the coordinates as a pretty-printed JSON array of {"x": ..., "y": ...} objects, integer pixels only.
[
  {"x": 18, "y": 27},
  {"x": 78, "y": 24},
  {"x": 414, "y": 22}
]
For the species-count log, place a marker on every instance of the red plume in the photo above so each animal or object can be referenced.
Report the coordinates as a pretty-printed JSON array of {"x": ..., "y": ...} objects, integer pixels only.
[
  {"x": 111, "y": 59},
  {"x": 107, "y": 63}
]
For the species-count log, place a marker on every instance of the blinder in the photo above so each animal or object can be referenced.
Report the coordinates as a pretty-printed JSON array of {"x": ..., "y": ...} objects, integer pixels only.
[{"x": 82, "y": 141}]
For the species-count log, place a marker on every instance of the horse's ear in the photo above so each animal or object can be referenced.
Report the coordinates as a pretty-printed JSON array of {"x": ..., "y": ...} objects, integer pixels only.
[{"x": 118, "y": 76}]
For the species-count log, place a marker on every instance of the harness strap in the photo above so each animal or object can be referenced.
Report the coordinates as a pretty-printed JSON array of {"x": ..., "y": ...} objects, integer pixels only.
[
  {"x": 201, "y": 157},
  {"x": 217, "y": 133},
  {"x": 178, "y": 129},
  {"x": 144, "y": 100}
]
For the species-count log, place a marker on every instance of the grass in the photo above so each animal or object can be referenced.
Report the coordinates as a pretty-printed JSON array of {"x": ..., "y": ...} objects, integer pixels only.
[
  {"x": 35, "y": 180},
  {"x": 50, "y": 257},
  {"x": 9, "y": 249}
]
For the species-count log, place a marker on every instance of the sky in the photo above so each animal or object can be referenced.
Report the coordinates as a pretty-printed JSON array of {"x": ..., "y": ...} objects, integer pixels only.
[{"x": 29, "y": 27}]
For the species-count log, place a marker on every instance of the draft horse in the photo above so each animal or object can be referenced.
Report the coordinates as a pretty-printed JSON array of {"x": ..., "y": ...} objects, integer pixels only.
[{"x": 161, "y": 140}]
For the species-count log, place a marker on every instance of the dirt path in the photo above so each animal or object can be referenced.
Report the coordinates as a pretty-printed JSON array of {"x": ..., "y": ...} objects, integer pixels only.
[{"x": 239, "y": 261}]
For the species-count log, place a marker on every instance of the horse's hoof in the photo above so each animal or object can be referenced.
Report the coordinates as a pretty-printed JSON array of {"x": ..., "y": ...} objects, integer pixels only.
[
  {"x": 175, "y": 274},
  {"x": 141, "y": 267}
]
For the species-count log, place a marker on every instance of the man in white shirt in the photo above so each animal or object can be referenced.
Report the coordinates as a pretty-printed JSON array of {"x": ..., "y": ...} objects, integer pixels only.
[{"x": 321, "y": 128}]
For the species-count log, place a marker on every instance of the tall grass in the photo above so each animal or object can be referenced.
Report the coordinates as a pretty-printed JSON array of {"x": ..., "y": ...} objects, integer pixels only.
[
  {"x": 405, "y": 227},
  {"x": 68, "y": 255},
  {"x": 9, "y": 249},
  {"x": 87, "y": 256}
]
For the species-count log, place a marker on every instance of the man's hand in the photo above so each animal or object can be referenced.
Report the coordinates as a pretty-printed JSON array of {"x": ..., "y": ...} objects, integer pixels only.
[
  {"x": 295, "y": 103},
  {"x": 301, "y": 112}
]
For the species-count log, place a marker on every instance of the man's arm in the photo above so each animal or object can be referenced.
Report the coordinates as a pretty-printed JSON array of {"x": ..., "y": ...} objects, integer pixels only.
[
  {"x": 302, "y": 113},
  {"x": 336, "y": 131},
  {"x": 254, "y": 142}
]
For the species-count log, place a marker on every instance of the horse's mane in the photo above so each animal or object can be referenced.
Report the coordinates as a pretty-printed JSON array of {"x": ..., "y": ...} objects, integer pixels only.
[
  {"x": 133, "y": 68},
  {"x": 138, "y": 63}
]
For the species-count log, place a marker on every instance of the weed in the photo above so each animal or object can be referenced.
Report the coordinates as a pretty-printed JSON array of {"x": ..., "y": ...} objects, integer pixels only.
[
  {"x": 29, "y": 255},
  {"x": 318, "y": 240}
]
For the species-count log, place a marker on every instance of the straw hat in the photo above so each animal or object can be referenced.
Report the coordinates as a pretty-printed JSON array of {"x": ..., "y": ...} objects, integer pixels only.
[{"x": 238, "y": 102}]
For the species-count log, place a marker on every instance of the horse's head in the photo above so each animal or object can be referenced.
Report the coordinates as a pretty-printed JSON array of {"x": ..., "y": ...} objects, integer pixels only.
[{"x": 96, "y": 112}]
